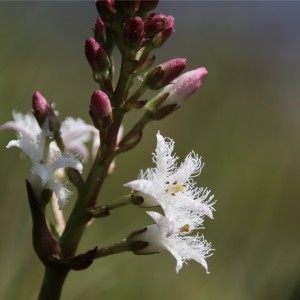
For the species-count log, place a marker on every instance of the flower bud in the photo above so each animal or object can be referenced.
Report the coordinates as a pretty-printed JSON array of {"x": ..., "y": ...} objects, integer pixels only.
[
  {"x": 100, "y": 110},
  {"x": 157, "y": 23},
  {"x": 100, "y": 31},
  {"x": 96, "y": 56},
  {"x": 184, "y": 86},
  {"x": 164, "y": 73},
  {"x": 133, "y": 33},
  {"x": 175, "y": 94},
  {"x": 106, "y": 10},
  {"x": 43, "y": 111}
]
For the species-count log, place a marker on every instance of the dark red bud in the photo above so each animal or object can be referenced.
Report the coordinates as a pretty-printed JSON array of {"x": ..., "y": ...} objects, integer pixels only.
[
  {"x": 41, "y": 108},
  {"x": 100, "y": 31},
  {"x": 106, "y": 10},
  {"x": 100, "y": 110},
  {"x": 43, "y": 111},
  {"x": 96, "y": 56},
  {"x": 133, "y": 33}
]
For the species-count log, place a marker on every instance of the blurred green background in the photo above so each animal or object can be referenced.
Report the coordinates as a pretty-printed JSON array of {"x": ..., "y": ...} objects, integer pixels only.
[{"x": 244, "y": 121}]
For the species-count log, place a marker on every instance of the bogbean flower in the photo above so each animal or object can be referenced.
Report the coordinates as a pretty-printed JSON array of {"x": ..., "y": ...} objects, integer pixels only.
[
  {"x": 74, "y": 132},
  {"x": 171, "y": 186},
  {"x": 172, "y": 233},
  {"x": 46, "y": 161},
  {"x": 184, "y": 205}
]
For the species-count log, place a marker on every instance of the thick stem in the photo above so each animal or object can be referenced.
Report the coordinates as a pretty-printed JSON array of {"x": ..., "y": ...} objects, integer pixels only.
[
  {"x": 124, "y": 82},
  {"x": 87, "y": 198},
  {"x": 53, "y": 281}
]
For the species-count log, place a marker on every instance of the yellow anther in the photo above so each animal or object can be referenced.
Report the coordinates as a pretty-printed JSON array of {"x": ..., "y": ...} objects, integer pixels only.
[{"x": 185, "y": 228}]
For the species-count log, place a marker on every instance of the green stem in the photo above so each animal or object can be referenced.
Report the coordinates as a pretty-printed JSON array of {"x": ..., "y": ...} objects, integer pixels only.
[
  {"x": 113, "y": 249},
  {"x": 86, "y": 198},
  {"x": 54, "y": 279},
  {"x": 125, "y": 80},
  {"x": 103, "y": 210}
]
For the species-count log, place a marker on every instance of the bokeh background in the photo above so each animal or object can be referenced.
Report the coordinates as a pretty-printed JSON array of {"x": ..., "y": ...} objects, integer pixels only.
[{"x": 244, "y": 122}]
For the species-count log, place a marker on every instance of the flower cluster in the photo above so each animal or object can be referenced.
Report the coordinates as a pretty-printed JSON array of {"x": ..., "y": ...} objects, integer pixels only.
[
  {"x": 58, "y": 149},
  {"x": 184, "y": 205}
]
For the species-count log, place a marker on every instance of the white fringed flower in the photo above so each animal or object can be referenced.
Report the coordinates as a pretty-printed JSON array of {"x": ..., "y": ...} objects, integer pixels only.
[
  {"x": 173, "y": 234},
  {"x": 47, "y": 160},
  {"x": 184, "y": 205},
  {"x": 170, "y": 186},
  {"x": 44, "y": 169},
  {"x": 74, "y": 132}
]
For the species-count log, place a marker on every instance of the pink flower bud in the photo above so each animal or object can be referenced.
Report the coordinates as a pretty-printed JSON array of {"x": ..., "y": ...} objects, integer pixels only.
[
  {"x": 100, "y": 110},
  {"x": 156, "y": 23},
  {"x": 184, "y": 86},
  {"x": 133, "y": 33},
  {"x": 96, "y": 56},
  {"x": 175, "y": 94},
  {"x": 165, "y": 73},
  {"x": 100, "y": 31},
  {"x": 42, "y": 109}
]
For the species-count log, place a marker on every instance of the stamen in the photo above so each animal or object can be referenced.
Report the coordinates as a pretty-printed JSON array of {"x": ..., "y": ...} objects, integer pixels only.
[{"x": 185, "y": 228}]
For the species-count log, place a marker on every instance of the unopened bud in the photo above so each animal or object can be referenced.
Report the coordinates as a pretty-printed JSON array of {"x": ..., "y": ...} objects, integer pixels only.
[
  {"x": 42, "y": 110},
  {"x": 106, "y": 10},
  {"x": 133, "y": 33},
  {"x": 100, "y": 110},
  {"x": 157, "y": 23},
  {"x": 164, "y": 73},
  {"x": 175, "y": 94},
  {"x": 96, "y": 56},
  {"x": 184, "y": 86},
  {"x": 100, "y": 31}
]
